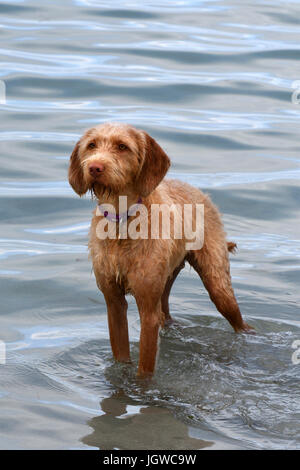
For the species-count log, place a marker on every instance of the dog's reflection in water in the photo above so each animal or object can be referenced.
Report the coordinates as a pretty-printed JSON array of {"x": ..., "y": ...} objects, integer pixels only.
[{"x": 126, "y": 426}]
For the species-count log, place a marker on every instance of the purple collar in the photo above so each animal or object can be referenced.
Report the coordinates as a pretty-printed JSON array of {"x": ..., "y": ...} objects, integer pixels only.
[{"x": 112, "y": 217}]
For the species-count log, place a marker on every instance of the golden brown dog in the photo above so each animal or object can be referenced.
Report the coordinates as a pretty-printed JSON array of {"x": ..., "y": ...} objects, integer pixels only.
[{"x": 116, "y": 159}]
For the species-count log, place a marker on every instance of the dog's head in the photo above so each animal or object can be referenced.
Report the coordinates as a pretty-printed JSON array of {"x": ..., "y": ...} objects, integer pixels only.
[{"x": 119, "y": 158}]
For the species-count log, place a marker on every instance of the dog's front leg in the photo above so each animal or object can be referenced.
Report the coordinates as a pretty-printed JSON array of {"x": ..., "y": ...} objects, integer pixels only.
[
  {"x": 117, "y": 323},
  {"x": 151, "y": 318}
]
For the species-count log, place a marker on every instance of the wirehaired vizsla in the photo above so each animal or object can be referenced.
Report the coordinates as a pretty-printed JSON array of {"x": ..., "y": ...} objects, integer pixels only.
[{"x": 113, "y": 160}]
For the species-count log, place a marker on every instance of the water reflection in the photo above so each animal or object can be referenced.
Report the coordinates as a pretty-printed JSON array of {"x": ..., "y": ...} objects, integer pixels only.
[{"x": 124, "y": 425}]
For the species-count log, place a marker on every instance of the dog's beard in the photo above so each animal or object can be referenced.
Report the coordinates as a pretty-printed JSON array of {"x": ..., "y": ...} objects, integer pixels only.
[
  {"x": 108, "y": 190},
  {"x": 103, "y": 192}
]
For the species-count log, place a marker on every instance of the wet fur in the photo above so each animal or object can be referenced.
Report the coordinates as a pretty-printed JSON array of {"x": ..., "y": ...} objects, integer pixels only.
[{"x": 148, "y": 268}]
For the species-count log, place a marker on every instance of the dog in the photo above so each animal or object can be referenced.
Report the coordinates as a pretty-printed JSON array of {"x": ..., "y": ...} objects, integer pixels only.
[{"x": 113, "y": 160}]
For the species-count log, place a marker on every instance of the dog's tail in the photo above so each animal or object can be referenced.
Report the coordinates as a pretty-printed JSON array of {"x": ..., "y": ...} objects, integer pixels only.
[{"x": 232, "y": 247}]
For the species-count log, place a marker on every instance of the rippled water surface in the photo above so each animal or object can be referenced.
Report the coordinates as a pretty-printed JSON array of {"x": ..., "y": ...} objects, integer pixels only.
[{"x": 212, "y": 81}]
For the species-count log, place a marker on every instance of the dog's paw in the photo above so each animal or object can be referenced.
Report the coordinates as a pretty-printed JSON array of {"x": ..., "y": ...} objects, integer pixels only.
[{"x": 246, "y": 329}]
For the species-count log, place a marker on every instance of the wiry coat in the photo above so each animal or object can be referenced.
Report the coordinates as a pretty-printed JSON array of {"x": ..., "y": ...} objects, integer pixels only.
[{"x": 115, "y": 160}]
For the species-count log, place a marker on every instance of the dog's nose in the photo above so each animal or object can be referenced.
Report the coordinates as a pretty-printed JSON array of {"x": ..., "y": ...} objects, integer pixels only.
[{"x": 95, "y": 169}]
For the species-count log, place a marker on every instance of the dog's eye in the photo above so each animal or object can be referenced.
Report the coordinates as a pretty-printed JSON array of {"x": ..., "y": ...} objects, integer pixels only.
[
  {"x": 91, "y": 145},
  {"x": 122, "y": 147}
]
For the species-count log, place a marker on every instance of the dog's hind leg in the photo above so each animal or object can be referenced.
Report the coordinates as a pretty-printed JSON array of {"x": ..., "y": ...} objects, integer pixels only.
[
  {"x": 212, "y": 265},
  {"x": 165, "y": 297}
]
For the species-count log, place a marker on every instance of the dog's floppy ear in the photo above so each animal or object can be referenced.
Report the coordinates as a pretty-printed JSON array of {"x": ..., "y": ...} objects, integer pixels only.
[
  {"x": 155, "y": 165},
  {"x": 76, "y": 178}
]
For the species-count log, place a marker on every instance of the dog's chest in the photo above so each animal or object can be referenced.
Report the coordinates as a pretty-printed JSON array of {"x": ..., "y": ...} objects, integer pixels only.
[
  {"x": 131, "y": 262},
  {"x": 118, "y": 260}
]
